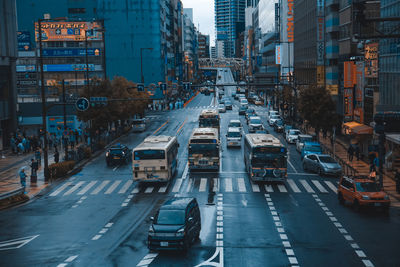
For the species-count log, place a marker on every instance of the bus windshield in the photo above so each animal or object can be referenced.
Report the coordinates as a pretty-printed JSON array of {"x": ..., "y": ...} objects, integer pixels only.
[
  {"x": 272, "y": 157},
  {"x": 149, "y": 154},
  {"x": 209, "y": 122},
  {"x": 210, "y": 150}
]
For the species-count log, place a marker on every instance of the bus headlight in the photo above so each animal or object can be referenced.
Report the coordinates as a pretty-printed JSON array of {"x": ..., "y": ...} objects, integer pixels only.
[{"x": 277, "y": 173}]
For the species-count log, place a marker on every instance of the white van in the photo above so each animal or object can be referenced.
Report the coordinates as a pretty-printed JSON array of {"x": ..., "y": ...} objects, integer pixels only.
[{"x": 244, "y": 102}]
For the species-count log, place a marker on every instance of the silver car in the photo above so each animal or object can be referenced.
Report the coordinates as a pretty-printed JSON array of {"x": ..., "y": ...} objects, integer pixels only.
[
  {"x": 300, "y": 141},
  {"x": 322, "y": 164},
  {"x": 292, "y": 136},
  {"x": 234, "y": 137}
]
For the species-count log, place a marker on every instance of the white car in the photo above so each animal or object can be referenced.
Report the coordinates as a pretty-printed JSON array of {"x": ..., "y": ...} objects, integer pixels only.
[
  {"x": 235, "y": 123},
  {"x": 292, "y": 136},
  {"x": 272, "y": 112},
  {"x": 273, "y": 119},
  {"x": 244, "y": 102},
  {"x": 255, "y": 124},
  {"x": 234, "y": 137},
  {"x": 221, "y": 108},
  {"x": 300, "y": 141}
]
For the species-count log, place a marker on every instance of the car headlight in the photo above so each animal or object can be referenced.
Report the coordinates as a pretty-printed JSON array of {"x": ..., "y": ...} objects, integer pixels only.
[
  {"x": 180, "y": 232},
  {"x": 107, "y": 154},
  {"x": 151, "y": 230},
  {"x": 365, "y": 197},
  {"x": 386, "y": 197}
]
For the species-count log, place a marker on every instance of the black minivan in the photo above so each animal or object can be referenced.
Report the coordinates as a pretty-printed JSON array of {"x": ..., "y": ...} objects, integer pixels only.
[{"x": 176, "y": 225}]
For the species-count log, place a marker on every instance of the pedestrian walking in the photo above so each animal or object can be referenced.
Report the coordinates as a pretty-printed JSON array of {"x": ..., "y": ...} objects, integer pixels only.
[
  {"x": 34, "y": 168},
  {"x": 350, "y": 153},
  {"x": 72, "y": 139},
  {"x": 357, "y": 152},
  {"x": 22, "y": 178},
  {"x": 56, "y": 156},
  {"x": 397, "y": 178},
  {"x": 38, "y": 156}
]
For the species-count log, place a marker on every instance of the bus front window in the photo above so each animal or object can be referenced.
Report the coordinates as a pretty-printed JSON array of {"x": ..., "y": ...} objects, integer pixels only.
[{"x": 208, "y": 150}]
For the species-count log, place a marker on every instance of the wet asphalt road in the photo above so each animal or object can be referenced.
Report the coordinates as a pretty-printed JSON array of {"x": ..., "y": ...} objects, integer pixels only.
[{"x": 99, "y": 217}]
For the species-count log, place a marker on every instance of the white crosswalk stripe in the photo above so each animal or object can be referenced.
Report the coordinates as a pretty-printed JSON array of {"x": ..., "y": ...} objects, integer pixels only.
[
  {"x": 268, "y": 188},
  {"x": 61, "y": 188},
  {"x": 87, "y": 187},
  {"x": 228, "y": 185},
  {"x": 190, "y": 185},
  {"x": 216, "y": 185},
  {"x": 162, "y": 189},
  {"x": 203, "y": 184},
  {"x": 135, "y": 190},
  {"x": 177, "y": 185},
  {"x": 112, "y": 187},
  {"x": 282, "y": 188},
  {"x": 331, "y": 186},
  {"x": 241, "y": 185},
  {"x": 125, "y": 187},
  {"x": 74, "y": 188},
  {"x": 293, "y": 185},
  {"x": 319, "y": 186},
  {"x": 100, "y": 187},
  {"x": 307, "y": 186},
  {"x": 255, "y": 187},
  {"x": 149, "y": 189}
]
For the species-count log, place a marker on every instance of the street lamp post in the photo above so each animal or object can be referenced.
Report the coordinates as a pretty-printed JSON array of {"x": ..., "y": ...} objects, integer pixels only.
[{"x": 141, "y": 62}]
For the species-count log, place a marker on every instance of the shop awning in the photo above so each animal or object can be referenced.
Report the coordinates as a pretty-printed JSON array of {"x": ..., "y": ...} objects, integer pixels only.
[{"x": 354, "y": 127}]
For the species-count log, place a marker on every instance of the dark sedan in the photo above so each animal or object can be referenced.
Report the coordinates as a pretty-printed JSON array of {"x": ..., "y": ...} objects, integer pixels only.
[{"x": 118, "y": 154}]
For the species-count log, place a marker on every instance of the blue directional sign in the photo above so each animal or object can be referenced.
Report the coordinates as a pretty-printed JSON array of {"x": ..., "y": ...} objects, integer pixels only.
[{"x": 82, "y": 104}]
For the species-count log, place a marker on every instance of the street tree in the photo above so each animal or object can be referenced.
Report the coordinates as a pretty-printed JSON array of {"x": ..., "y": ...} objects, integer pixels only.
[{"x": 317, "y": 108}]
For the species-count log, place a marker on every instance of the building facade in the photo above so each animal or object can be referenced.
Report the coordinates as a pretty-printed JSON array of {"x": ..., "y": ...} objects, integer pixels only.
[
  {"x": 8, "y": 55},
  {"x": 227, "y": 14},
  {"x": 204, "y": 46}
]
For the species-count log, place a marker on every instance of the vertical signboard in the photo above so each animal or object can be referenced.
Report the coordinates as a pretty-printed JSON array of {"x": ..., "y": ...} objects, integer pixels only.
[
  {"x": 348, "y": 104},
  {"x": 24, "y": 40},
  {"x": 349, "y": 74},
  {"x": 371, "y": 60},
  {"x": 278, "y": 55},
  {"x": 320, "y": 43},
  {"x": 290, "y": 21}
]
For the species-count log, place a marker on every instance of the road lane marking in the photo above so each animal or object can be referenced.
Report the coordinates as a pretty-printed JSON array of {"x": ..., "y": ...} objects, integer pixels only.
[
  {"x": 87, "y": 187},
  {"x": 291, "y": 165},
  {"x": 177, "y": 185},
  {"x": 100, "y": 187},
  {"x": 255, "y": 187},
  {"x": 228, "y": 185},
  {"x": 135, "y": 190},
  {"x": 160, "y": 127},
  {"x": 268, "y": 188},
  {"x": 61, "y": 188},
  {"x": 216, "y": 185},
  {"x": 125, "y": 187},
  {"x": 331, "y": 186},
  {"x": 319, "y": 186},
  {"x": 75, "y": 187},
  {"x": 162, "y": 189},
  {"x": 149, "y": 189},
  {"x": 282, "y": 188},
  {"x": 16, "y": 243},
  {"x": 307, "y": 186},
  {"x": 293, "y": 185},
  {"x": 203, "y": 184},
  {"x": 112, "y": 187},
  {"x": 147, "y": 259},
  {"x": 96, "y": 237},
  {"x": 190, "y": 185},
  {"x": 186, "y": 171},
  {"x": 241, "y": 185},
  {"x": 71, "y": 258}
]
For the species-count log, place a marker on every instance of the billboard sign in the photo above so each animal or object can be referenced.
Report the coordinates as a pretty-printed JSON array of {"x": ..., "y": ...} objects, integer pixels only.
[
  {"x": 24, "y": 40},
  {"x": 290, "y": 21},
  {"x": 68, "y": 31},
  {"x": 349, "y": 74},
  {"x": 278, "y": 54},
  {"x": 371, "y": 60},
  {"x": 70, "y": 52}
]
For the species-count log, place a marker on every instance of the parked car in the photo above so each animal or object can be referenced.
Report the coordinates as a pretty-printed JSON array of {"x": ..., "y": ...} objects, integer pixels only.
[
  {"x": 118, "y": 154},
  {"x": 242, "y": 110},
  {"x": 234, "y": 137},
  {"x": 292, "y": 136},
  {"x": 236, "y": 124},
  {"x": 286, "y": 130},
  {"x": 362, "y": 192},
  {"x": 311, "y": 148},
  {"x": 228, "y": 104},
  {"x": 176, "y": 225},
  {"x": 301, "y": 139},
  {"x": 255, "y": 124},
  {"x": 273, "y": 118},
  {"x": 221, "y": 108},
  {"x": 138, "y": 125},
  {"x": 322, "y": 164},
  {"x": 278, "y": 126}
]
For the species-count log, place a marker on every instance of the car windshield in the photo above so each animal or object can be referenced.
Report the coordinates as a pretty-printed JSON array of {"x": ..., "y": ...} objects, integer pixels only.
[
  {"x": 233, "y": 134},
  {"x": 313, "y": 148},
  {"x": 234, "y": 124},
  {"x": 326, "y": 159},
  {"x": 294, "y": 132},
  {"x": 255, "y": 121},
  {"x": 149, "y": 154},
  {"x": 250, "y": 110},
  {"x": 116, "y": 151},
  {"x": 171, "y": 217},
  {"x": 228, "y": 103},
  {"x": 279, "y": 122},
  {"x": 274, "y": 116},
  {"x": 242, "y": 108},
  {"x": 367, "y": 187}
]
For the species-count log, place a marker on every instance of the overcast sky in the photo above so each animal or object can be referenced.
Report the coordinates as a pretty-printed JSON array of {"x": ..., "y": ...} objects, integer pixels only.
[{"x": 203, "y": 14}]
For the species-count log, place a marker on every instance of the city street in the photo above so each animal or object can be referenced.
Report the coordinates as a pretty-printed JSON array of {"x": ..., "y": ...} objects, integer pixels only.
[{"x": 100, "y": 217}]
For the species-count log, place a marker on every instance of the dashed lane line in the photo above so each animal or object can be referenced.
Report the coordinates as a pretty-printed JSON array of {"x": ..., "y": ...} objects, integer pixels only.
[
  {"x": 282, "y": 188},
  {"x": 149, "y": 189},
  {"x": 216, "y": 185}
]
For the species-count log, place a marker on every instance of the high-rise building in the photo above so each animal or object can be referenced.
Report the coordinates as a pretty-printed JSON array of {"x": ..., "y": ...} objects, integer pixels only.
[
  {"x": 220, "y": 48},
  {"x": 204, "y": 46},
  {"x": 213, "y": 52},
  {"x": 8, "y": 54},
  {"x": 227, "y": 14},
  {"x": 190, "y": 44}
]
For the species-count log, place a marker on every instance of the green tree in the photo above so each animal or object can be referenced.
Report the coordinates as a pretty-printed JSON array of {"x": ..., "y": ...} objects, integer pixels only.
[{"x": 317, "y": 107}]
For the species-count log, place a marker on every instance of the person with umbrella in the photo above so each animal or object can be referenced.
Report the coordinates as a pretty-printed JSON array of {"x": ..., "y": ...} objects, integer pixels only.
[{"x": 22, "y": 177}]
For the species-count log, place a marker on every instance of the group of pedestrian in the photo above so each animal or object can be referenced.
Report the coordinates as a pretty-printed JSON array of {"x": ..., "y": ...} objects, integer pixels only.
[
  {"x": 353, "y": 150},
  {"x": 22, "y": 144}
]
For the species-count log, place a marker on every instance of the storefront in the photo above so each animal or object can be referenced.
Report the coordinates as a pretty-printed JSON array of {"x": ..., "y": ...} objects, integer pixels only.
[
  {"x": 392, "y": 157},
  {"x": 360, "y": 134}
]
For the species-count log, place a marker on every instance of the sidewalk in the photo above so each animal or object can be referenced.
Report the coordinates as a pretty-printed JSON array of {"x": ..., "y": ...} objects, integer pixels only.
[{"x": 362, "y": 168}]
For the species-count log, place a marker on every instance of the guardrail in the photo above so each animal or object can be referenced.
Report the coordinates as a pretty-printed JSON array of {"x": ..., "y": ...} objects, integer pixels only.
[
  {"x": 12, "y": 193},
  {"x": 347, "y": 169}
]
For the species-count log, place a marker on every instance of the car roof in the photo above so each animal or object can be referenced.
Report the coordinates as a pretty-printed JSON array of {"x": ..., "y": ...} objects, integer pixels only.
[
  {"x": 311, "y": 143},
  {"x": 177, "y": 203},
  {"x": 117, "y": 146},
  {"x": 255, "y": 117},
  {"x": 234, "y": 121},
  {"x": 234, "y": 129}
]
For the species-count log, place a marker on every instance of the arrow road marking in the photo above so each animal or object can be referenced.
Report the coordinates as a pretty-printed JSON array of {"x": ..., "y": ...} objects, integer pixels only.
[{"x": 16, "y": 243}]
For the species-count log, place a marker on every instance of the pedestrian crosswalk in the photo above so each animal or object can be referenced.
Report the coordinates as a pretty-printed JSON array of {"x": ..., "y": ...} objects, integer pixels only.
[{"x": 228, "y": 185}]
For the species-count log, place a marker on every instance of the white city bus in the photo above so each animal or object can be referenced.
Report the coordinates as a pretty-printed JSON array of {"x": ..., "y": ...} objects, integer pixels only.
[
  {"x": 155, "y": 159},
  {"x": 204, "y": 149},
  {"x": 209, "y": 118},
  {"x": 265, "y": 158}
]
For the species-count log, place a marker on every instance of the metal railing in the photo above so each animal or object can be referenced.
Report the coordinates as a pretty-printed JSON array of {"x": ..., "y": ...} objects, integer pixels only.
[
  {"x": 15, "y": 192},
  {"x": 347, "y": 169}
]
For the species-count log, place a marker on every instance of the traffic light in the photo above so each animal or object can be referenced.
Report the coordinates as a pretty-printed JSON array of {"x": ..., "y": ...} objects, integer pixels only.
[{"x": 98, "y": 102}]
